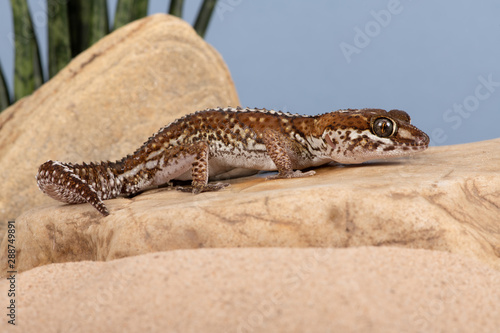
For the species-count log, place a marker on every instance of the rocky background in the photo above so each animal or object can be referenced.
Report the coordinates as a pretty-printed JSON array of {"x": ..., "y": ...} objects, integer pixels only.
[
  {"x": 107, "y": 102},
  {"x": 408, "y": 245}
]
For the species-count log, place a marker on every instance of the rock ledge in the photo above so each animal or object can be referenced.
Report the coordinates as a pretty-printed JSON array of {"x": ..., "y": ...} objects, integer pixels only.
[{"x": 446, "y": 199}]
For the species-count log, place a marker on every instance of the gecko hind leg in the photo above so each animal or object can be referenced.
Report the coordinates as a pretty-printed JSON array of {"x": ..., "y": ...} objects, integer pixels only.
[
  {"x": 60, "y": 181},
  {"x": 199, "y": 171}
]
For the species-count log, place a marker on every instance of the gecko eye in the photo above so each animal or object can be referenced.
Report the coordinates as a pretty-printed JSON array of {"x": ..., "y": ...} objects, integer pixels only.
[{"x": 384, "y": 127}]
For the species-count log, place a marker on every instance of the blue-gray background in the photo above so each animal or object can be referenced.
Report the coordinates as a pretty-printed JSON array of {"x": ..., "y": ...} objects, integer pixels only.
[{"x": 438, "y": 60}]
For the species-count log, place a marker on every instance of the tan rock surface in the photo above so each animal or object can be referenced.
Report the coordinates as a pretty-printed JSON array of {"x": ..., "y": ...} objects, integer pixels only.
[
  {"x": 447, "y": 198},
  {"x": 374, "y": 289},
  {"x": 107, "y": 102}
]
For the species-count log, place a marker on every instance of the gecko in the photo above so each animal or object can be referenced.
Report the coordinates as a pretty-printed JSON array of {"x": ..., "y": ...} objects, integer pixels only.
[{"x": 223, "y": 143}]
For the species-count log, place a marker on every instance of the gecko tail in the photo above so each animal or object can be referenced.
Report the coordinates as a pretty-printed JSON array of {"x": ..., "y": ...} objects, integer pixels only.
[{"x": 69, "y": 183}]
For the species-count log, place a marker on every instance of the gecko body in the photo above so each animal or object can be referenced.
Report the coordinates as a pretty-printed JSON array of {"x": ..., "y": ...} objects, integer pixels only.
[{"x": 232, "y": 142}]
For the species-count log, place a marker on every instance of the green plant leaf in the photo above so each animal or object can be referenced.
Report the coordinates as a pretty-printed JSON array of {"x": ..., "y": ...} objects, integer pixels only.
[
  {"x": 176, "y": 7},
  {"x": 4, "y": 92},
  {"x": 27, "y": 67},
  {"x": 79, "y": 15},
  {"x": 99, "y": 25},
  {"x": 204, "y": 16},
  {"x": 59, "y": 38},
  {"x": 140, "y": 9},
  {"x": 88, "y": 22},
  {"x": 129, "y": 10}
]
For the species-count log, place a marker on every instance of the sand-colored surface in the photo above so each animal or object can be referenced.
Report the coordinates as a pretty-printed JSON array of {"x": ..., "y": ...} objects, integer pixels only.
[{"x": 367, "y": 289}]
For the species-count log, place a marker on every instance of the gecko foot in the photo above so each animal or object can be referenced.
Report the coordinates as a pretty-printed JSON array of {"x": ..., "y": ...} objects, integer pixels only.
[
  {"x": 204, "y": 188},
  {"x": 292, "y": 174}
]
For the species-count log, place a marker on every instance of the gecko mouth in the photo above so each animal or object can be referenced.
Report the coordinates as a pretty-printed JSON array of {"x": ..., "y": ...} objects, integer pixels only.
[{"x": 421, "y": 142}]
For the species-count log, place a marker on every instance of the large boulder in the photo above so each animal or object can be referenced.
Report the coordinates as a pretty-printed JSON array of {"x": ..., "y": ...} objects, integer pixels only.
[
  {"x": 107, "y": 102},
  {"x": 365, "y": 289},
  {"x": 446, "y": 198}
]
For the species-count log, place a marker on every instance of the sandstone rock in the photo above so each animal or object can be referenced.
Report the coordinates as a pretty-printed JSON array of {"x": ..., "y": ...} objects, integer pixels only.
[
  {"x": 374, "y": 289},
  {"x": 446, "y": 198},
  {"x": 107, "y": 102}
]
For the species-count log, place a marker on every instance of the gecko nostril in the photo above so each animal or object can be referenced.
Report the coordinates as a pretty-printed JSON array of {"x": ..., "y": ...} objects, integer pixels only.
[{"x": 422, "y": 140}]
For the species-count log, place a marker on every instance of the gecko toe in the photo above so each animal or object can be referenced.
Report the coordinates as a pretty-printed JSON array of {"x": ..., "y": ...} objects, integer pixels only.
[
  {"x": 292, "y": 174},
  {"x": 203, "y": 188}
]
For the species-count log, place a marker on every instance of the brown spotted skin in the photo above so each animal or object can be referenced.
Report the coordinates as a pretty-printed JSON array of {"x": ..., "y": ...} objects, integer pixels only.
[{"x": 224, "y": 143}]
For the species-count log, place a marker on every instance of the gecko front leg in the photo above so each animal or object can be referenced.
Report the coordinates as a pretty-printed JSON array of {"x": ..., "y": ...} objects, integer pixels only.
[{"x": 280, "y": 149}]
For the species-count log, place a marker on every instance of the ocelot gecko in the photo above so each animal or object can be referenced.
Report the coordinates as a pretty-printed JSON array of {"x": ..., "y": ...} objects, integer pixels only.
[{"x": 232, "y": 142}]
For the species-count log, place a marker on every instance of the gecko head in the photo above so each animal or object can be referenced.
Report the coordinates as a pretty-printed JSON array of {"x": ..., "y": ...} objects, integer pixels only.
[{"x": 357, "y": 136}]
